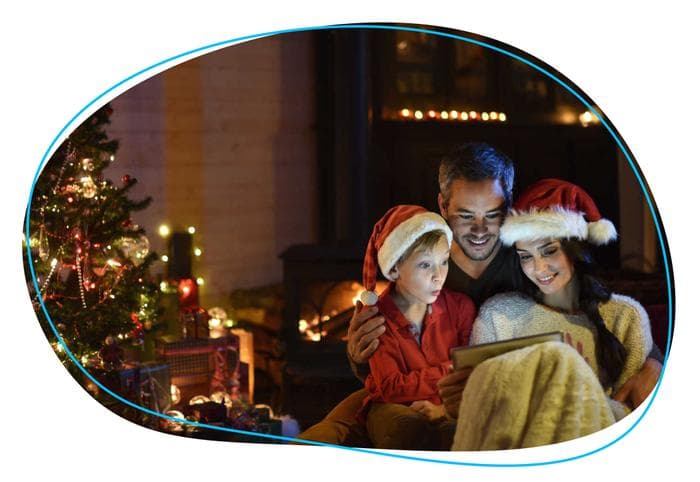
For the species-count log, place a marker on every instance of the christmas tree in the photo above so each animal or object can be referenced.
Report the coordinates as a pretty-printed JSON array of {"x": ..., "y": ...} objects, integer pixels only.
[{"x": 90, "y": 261}]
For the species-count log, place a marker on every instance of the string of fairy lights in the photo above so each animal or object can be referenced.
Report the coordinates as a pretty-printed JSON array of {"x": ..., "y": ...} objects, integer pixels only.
[{"x": 450, "y": 115}]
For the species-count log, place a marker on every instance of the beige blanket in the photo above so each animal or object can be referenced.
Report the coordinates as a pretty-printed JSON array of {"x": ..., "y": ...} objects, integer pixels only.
[{"x": 537, "y": 395}]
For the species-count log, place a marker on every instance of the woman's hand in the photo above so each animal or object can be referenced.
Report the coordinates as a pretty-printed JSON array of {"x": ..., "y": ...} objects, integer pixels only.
[
  {"x": 429, "y": 409},
  {"x": 364, "y": 332}
]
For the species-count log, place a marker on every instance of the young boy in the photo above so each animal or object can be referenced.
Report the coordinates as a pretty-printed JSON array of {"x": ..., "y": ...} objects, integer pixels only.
[{"x": 411, "y": 247}]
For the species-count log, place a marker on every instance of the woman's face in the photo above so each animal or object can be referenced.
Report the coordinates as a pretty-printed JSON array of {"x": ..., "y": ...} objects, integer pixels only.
[{"x": 544, "y": 262}]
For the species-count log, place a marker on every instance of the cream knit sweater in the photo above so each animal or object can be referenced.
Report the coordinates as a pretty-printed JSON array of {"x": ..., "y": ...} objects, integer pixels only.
[{"x": 512, "y": 315}]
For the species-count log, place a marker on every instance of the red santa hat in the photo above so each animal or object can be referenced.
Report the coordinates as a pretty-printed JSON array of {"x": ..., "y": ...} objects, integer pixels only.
[
  {"x": 392, "y": 235},
  {"x": 552, "y": 208}
]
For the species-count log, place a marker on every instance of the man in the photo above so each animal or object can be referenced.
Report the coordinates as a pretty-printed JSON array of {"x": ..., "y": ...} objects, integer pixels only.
[{"x": 476, "y": 184}]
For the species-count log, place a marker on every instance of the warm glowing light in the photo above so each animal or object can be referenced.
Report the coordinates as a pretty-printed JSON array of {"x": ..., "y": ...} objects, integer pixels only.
[
  {"x": 493, "y": 115},
  {"x": 54, "y": 262},
  {"x": 325, "y": 318},
  {"x": 197, "y": 252},
  {"x": 163, "y": 286},
  {"x": 164, "y": 230},
  {"x": 418, "y": 115},
  {"x": 405, "y": 112},
  {"x": 164, "y": 258},
  {"x": 432, "y": 114},
  {"x": 175, "y": 394},
  {"x": 464, "y": 116},
  {"x": 454, "y": 114},
  {"x": 59, "y": 348},
  {"x": 473, "y": 114},
  {"x": 444, "y": 114},
  {"x": 198, "y": 399},
  {"x": 185, "y": 290},
  {"x": 586, "y": 118},
  {"x": 303, "y": 326},
  {"x": 485, "y": 116},
  {"x": 502, "y": 117},
  {"x": 200, "y": 281},
  {"x": 113, "y": 263},
  {"x": 191, "y": 230},
  {"x": 315, "y": 337}
]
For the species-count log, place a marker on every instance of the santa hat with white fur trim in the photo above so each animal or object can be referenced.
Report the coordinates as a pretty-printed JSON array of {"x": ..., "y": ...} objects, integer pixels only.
[
  {"x": 552, "y": 208},
  {"x": 392, "y": 235}
]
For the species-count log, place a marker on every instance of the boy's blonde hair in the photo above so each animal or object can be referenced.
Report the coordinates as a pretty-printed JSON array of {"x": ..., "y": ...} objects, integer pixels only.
[{"x": 426, "y": 242}]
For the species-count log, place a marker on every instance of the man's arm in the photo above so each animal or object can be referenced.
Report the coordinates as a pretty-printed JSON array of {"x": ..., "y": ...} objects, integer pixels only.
[
  {"x": 639, "y": 386},
  {"x": 363, "y": 338}
]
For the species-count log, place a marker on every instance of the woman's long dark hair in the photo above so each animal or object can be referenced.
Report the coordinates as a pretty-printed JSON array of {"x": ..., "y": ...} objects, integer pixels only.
[{"x": 611, "y": 352}]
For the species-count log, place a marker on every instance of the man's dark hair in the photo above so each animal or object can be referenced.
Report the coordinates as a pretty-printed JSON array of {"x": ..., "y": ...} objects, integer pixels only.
[{"x": 477, "y": 161}]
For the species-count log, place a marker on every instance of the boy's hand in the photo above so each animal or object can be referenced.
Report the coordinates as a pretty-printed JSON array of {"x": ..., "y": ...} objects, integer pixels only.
[
  {"x": 363, "y": 333},
  {"x": 429, "y": 409},
  {"x": 450, "y": 388}
]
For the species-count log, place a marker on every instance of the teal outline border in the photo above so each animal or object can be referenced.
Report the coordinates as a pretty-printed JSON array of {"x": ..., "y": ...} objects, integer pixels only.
[{"x": 217, "y": 45}]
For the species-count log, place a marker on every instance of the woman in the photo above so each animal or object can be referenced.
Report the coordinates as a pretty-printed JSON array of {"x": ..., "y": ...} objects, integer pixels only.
[{"x": 552, "y": 392}]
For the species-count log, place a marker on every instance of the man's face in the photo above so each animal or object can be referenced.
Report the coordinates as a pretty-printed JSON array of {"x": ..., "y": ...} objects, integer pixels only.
[{"x": 475, "y": 212}]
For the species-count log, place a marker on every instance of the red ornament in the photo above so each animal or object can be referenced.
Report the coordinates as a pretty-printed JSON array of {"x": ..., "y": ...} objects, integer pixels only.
[
  {"x": 188, "y": 293},
  {"x": 126, "y": 223},
  {"x": 126, "y": 178}
]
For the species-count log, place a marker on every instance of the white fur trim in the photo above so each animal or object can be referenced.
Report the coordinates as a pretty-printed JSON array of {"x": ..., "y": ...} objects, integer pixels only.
[
  {"x": 369, "y": 298},
  {"x": 551, "y": 223},
  {"x": 601, "y": 232},
  {"x": 405, "y": 234}
]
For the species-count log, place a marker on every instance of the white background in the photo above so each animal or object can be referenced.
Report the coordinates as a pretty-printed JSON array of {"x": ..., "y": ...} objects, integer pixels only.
[{"x": 636, "y": 63}]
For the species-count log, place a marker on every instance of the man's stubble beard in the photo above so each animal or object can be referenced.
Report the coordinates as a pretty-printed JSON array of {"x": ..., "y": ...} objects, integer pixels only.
[{"x": 463, "y": 241}]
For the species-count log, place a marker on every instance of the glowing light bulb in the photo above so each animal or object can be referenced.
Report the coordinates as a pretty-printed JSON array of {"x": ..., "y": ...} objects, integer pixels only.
[
  {"x": 585, "y": 118},
  {"x": 197, "y": 252},
  {"x": 200, "y": 281},
  {"x": 493, "y": 115},
  {"x": 54, "y": 262},
  {"x": 502, "y": 117},
  {"x": 464, "y": 116},
  {"x": 163, "y": 286},
  {"x": 164, "y": 258},
  {"x": 485, "y": 116},
  {"x": 454, "y": 114},
  {"x": 418, "y": 115},
  {"x": 473, "y": 114},
  {"x": 405, "y": 112},
  {"x": 191, "y": 230},
  {"x": 164, "y": 230},
  {"x": 444, "y": 114},
  {"x": 432, "y": 114}
]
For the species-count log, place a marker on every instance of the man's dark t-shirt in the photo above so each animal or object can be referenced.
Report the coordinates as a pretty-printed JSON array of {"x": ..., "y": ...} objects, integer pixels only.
[{"x": 497, "y": 278}]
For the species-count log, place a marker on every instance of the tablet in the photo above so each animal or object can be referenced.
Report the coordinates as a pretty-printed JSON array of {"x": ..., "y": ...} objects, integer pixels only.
[{"x": 471, "y": 356}]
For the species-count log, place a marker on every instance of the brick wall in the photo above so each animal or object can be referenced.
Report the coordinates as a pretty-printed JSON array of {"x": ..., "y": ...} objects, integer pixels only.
[{"x": 227, "y": 143}]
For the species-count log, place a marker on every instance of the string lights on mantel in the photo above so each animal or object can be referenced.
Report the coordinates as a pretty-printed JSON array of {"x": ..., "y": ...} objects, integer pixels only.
[{"x": 452, "y": 115}]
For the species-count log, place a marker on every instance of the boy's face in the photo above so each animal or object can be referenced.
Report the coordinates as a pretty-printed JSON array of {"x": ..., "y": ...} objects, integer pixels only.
[
  {"x": 419, "y": 278},
  {"x": 475, "y": 212}
]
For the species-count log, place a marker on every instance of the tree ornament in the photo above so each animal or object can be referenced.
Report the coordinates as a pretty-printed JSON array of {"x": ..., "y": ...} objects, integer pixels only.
[
  {"x": 43, "y": 244},
  {"x": 89, "y": 188},
  {"x": 135, "y": 249},
  {"x": 126, "y": 178},
  {"x": 88, "y": 164}
]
